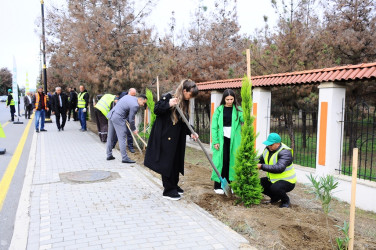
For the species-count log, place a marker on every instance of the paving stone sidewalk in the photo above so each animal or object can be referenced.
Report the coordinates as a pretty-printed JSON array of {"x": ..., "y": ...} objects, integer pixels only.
[{"x": 126, "y": 212}]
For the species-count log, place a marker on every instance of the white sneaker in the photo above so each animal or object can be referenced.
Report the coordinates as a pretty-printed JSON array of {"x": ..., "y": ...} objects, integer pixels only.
[{"x": 219, "y": 191}]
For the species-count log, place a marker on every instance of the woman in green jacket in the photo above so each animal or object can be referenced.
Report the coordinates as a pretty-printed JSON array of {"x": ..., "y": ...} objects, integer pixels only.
[{"x": 226, "y": 127}]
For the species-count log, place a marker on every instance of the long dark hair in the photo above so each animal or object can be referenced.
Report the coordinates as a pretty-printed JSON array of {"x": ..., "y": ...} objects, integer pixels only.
[
  {"x": 189, "y": 86},
  {"x": 230, "y": 92}
]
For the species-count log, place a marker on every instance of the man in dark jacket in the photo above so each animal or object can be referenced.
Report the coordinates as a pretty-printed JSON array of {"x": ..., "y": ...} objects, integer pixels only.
[
  {"x": 40, "y": 106},
  {"x": 72, "y": 103},
  {"x": 59, "y": 107},
  {"x": 276, "y": 160},
  {"x": 11, "y": 104},
  {"x": 82, "y": 103},
  {"x": 28, "y": 105}
]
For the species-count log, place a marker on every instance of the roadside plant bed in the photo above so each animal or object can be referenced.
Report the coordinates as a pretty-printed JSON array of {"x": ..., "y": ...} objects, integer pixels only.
[{"x": 303, "y": 226}]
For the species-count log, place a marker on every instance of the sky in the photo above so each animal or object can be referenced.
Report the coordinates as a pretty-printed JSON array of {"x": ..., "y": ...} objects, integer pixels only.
[{"x": 20, "y": 36}]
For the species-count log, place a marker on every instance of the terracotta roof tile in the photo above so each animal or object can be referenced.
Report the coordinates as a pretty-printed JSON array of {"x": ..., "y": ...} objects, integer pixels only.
[{"x": 335, "y": 74}]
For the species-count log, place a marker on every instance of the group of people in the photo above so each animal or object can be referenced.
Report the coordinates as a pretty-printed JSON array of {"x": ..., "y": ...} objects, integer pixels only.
[
  {"x": 60, "y": 104},
  {"x": 115, "y": 115},
  {"x": 166, "y": 146}
]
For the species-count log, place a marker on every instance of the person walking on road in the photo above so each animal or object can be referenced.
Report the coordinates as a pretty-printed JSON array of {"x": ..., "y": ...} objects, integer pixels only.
[
  {"x": 82, "y": 103},
  {"x": 132, "y": 92},
  {"x": 72, "y": 103},
  {"x": 166, "y": 145},
  {"x": 226, "y": 135},
  {"x": 40, "y": 107},
  {"x": 28, "y": 105},
  {"x": 101, "y": 109},
  {"x": 11, "y": 104},
  {"x": 276, "y": 160},
  {"x": 59, "y": 107},
  {"x": 124, "y": 110}
]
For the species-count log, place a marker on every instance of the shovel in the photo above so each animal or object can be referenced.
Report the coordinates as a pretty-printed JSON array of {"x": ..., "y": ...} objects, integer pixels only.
[
  {"x": 134, "y": 139},
  {"x": 224, "y": 184}
]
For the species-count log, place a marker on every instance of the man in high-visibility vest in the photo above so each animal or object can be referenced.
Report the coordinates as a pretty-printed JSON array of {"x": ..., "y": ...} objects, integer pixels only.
[
  {"x": 83, "y": 101},
  {"x": 101, "y": 109},
  {"x": 40, "y": 107},
  {"x": 11, "y": 104},
  {"x": 276, "y": 160}
]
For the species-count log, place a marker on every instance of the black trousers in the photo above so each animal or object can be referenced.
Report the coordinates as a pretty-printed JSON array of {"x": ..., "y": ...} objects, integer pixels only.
[
  {"x": 63, "y": 116},
  {"x": 102, "y": 125},
  {"x": 28, "y": 111},
  {"x": 277, "y": 190},
  {"x": 170, "y": 183},
  {"x": 226, "y": 162},
  {"x": 75, "y": 115},
  {"x": 12, "y": 111}
]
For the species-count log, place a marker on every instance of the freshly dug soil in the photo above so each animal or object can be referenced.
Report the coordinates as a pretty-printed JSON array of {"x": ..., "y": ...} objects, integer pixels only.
[{"x": 303, "y": 226}]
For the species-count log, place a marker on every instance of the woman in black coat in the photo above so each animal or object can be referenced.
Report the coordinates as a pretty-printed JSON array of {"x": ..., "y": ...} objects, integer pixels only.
[{"x": 166, "y": 146}]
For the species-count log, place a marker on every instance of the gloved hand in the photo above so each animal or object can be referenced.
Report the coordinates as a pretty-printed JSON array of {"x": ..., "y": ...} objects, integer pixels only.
[
  {"x": 76, "y": 110},
  {"x": 84, "y": 110}
]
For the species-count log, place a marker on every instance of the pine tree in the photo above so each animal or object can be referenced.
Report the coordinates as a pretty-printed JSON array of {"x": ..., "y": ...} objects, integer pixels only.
[{"x": 247, "y": 185}]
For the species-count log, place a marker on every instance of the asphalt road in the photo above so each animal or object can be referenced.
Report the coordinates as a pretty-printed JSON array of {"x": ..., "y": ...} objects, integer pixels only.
[{"x": 13, "y": 133}]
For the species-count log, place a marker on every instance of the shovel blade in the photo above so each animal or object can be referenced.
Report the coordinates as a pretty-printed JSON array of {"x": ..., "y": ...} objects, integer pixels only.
[{"x": 226, "y": 187}]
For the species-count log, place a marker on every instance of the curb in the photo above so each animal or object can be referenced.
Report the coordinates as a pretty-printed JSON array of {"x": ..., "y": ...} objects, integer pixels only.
[{"x": 22, "y": 220}]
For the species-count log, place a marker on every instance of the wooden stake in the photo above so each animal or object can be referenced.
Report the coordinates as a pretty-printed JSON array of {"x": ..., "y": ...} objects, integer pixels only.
[
  {"x": 157, "y": 88},
  {"x": 249, "y": 64},
  {"x": 353, "y": 192}
]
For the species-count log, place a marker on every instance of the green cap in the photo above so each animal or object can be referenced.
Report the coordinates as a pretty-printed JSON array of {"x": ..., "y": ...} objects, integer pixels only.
[
  {"x": 9, "y": 90},
  {"x": 272, "y": 138}
]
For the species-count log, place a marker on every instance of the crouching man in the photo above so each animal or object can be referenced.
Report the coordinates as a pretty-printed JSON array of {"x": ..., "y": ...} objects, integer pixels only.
[{"x": 276, "y": 160}]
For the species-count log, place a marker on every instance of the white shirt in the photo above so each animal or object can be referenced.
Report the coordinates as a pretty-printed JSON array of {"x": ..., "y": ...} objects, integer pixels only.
[{"x": 227, "y": 132}]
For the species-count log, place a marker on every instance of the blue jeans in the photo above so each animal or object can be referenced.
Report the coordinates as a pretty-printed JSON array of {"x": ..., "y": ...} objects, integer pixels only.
[
  {"x": 39, "y": 114},
  {"x": 82, "y": 117}
]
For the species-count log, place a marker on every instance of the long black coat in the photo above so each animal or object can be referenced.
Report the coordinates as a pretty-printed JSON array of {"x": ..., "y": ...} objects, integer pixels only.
[{"x": 166, "y": 146}]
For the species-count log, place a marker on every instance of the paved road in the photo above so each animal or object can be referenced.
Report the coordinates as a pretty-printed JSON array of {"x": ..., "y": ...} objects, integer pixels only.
[
  {"x": 13, "y": 134},
  {"x": 126, "y": 212}
]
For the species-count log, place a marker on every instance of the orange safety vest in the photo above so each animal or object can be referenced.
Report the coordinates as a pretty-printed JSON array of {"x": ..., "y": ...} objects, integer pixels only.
[{"x": 37, "y": 99}]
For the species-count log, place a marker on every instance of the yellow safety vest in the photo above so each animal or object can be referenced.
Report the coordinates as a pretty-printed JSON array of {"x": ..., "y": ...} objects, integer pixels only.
[
  {"x": 81, "y": 101},
  {"x": 287, "y": 175},
  {"x": 104, "y": 104},
  {"x": 12, "y": 103}
]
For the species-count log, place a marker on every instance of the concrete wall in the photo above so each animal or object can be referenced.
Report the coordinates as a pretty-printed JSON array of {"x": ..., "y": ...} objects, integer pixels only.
[{"x": 365, "y": 190}]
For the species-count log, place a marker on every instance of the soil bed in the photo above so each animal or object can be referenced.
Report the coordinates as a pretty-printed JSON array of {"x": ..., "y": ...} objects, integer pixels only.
[{"x": 303, "y": 226}]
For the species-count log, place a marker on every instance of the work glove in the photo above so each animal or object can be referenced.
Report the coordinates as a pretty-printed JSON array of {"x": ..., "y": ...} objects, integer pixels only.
[
  {"x": 84, "y": 110},
  {"x": 76, "y": 110}
]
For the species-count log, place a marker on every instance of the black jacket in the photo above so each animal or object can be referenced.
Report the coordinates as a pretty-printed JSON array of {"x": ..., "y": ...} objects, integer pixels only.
[
  {"x": 56, "y": 104},
  {"x": 284, "y": 160},
  {"x": 72, "y": 99},
  {"x": 166, "y": 146}
]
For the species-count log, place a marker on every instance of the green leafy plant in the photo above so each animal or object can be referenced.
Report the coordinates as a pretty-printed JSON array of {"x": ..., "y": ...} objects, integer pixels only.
[
  {"x": 150, "y": 103},
  {"x": 343, "y": 243},
  {"x": 323, "y": 188},
  {"x": 247, "y": 185}
]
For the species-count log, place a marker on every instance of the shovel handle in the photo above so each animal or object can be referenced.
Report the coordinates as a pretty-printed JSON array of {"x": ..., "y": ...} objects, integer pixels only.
[
  {"x": 198, "y": 140},
  {"x": 134, "y": 139}
]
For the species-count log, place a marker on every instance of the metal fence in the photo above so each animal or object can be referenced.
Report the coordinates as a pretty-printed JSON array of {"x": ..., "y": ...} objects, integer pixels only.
[
  {"x": 359, "y": 131},
  {"x": 202, "y": 120},
  {"x": 298, "y": 130}
]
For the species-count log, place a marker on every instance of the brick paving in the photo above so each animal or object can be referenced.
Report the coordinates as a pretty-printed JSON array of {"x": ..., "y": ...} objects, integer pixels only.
[{"x": 127, "y": 212}]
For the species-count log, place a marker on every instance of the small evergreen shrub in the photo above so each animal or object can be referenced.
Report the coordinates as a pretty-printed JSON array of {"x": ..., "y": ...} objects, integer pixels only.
[{"x": 247, "y": 185}]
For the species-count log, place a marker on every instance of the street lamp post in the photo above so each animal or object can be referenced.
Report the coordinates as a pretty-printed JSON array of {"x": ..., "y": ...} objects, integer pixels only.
[
  {"x": 47, "y": 118},
  {"x": 44, "y": 49}
]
